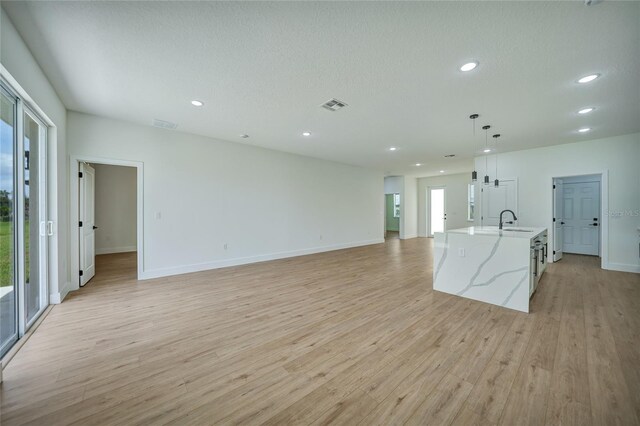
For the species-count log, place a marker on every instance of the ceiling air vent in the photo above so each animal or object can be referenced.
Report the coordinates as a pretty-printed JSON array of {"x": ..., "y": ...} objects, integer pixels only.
[
  {"x": 164, "y": 124},
  {"x": 333, "y": 105}
]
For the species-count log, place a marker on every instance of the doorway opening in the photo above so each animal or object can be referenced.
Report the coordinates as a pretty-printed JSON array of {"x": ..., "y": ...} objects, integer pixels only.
[
  {"x": 577, "y": 215},
  {"x": 108, "y": 237},
  {"x": 392, "y": 216},
  {"x": 436, "y": 211},
  {"x": 107, "y": 212}
]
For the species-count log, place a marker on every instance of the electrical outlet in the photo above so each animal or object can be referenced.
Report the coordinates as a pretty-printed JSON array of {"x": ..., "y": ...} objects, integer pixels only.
[
  {"x": 461, "y": 252},
  {"x": 226, "y": 246},
  {"x": 158, "y": 215},
  {"x": 320, "y": 236}
]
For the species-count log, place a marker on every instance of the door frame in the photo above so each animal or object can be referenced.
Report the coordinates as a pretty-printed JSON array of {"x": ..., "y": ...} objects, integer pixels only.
[
  {"x": 428, "y": 207},
  {"x": 74, "y": 202},
  {"x": 604, "y": 218}
]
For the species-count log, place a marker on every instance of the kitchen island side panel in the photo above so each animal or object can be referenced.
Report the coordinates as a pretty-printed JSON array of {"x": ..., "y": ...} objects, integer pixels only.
[{"x": 489, "y": 268}]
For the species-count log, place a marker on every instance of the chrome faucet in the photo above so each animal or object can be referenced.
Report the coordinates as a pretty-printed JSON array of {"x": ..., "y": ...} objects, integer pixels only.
[{"x": 512, "y": 213}]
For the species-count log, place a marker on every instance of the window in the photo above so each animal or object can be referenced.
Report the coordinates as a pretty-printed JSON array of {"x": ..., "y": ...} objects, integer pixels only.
[
  {"x": 471, "y": 204},
  {"x": 396, "y": 205}
]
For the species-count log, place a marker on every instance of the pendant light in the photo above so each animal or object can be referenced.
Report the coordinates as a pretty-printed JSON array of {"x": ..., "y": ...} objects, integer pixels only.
[
  {"x": 486, "y": 146},
  {"x": 474, "y": 174},
  {"x": 496, "y": 182}
]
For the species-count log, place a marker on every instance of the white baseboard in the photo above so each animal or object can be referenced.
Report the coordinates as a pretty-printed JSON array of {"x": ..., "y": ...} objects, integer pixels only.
[
  {"x": 177, "y": 270},
  {"x": 406, "y": 237},
  {"x": 57, "y": 298},
  {"x": 623, "y": 267},
  {"x": 111, "y": 250}
]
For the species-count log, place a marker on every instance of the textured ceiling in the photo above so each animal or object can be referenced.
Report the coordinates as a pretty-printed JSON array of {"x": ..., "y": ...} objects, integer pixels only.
[{"x": 264, "y": 68}]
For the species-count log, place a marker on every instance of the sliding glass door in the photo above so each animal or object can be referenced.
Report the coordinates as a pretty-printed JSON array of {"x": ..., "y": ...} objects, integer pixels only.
[
  {"x": 8, "y": 283},
  {"x": 23, "y": 223}
]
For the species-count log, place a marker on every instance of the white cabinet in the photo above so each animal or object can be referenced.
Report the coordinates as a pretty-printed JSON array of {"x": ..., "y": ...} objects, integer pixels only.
[{"x": 538, "y": 260}]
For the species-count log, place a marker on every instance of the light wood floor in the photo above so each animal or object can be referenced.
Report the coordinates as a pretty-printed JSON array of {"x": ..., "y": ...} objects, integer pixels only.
[{"x": 348, "y": 337}]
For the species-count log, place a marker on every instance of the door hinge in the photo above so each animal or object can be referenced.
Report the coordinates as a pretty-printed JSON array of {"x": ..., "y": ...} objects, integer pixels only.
[
  {"x": 554, "y": 252},
  {"x": 554, "y": 219},
  {"x": 80, "y": 224},
  {"x": 554, "y": 187},
  {"x": 81, "y": 272},
  {"x": 79, "y": 174}
]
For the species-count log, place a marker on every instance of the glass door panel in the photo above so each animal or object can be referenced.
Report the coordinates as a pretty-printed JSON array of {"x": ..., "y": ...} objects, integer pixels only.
[
  {"x": 34, "y": 220},
  {"x": 436, "y": 210},
  {"x": 8, "y": 287}
]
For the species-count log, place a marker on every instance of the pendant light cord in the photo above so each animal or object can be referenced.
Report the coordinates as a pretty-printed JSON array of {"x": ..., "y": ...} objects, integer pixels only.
[
  {"x": 486, "y": 144},
  {"x": 496, "y": 136}
]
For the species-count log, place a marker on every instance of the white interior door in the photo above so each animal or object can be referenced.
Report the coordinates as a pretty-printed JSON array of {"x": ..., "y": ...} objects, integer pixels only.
[
  {"x": 558, "y": 219},
  {"x": 87, "y": 223},
  {"x": 581, "y": 228},
  {"x": 437, "y": 210},
  {"x": 496, "y": 199}
]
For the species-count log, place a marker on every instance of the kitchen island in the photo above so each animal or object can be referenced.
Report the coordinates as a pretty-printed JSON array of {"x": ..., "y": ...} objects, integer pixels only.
[{"x": 501, "y": 267}]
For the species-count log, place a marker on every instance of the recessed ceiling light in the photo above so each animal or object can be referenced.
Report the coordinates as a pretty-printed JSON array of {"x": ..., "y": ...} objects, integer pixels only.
[
  {"x": 306, "y": 133},
  {"x": 468, "y": 66},
  {"x": 418, "y": 164},
  {"x": 584, "y": 129},
  {"x": 441, "y": 171},
  {"x": 197, "y": 103},
  {"x": 588, "y": 78},
  {"x": 393, "y": 148},
  {"x": 585, "y": 110},
  {"x": 244, "y": 136},
  {"x": 487, "y": 150}
]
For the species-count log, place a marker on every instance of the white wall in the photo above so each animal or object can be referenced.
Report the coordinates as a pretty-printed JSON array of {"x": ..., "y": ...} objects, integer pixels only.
[
  {"x": 409, "y": 224},
  {"x": 456, "y": 200},
  {"x": 393, "y": 184},
  {"x": 115, "y": 208},
  {"x": 201, "y": 193},
  {"x": 619, "y": 156},
  {"x": 18, "y": 61}
]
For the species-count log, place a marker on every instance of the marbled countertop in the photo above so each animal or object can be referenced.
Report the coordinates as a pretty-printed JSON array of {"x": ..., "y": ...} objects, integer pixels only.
[{"x": 508, "y": 231}]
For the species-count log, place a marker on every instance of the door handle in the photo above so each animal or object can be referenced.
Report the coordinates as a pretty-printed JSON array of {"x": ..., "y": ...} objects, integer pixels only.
[
  {"x": 95, "y": 227},
  {"x": 561, "y": 223},
  {"x": 594, "y": 224}
]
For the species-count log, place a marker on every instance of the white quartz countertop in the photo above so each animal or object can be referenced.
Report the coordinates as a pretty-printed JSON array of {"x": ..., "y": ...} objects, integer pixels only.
[{"x": 507, "y": 231}]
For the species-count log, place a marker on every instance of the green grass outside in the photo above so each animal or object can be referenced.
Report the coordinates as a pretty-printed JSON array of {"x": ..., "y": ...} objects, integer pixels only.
[{"x": 6, "y": 250}]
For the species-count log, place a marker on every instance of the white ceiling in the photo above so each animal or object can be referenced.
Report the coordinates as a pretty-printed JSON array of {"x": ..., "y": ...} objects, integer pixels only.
[{"x": 264, "y": 68}]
